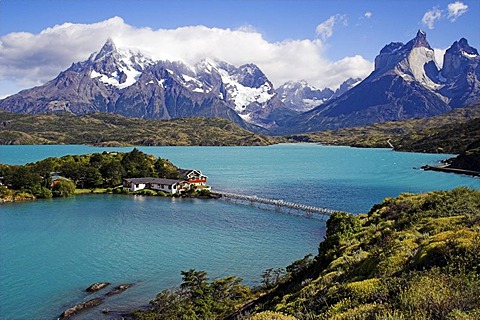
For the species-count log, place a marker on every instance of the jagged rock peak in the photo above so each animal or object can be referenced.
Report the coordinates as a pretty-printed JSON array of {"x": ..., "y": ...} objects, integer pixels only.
[
  {"x": 393, "y": 53},
  {"x": 421, "y": 40},
  {"x": 463, "y": 47},
  {"x": 107, "y": 48},
  {"x": 392, "y": 47},
  {"x": 459, "y": 58}
]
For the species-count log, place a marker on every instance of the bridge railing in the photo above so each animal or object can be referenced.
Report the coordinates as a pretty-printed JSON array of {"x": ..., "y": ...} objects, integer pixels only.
[{"x": 278, "y": 203}]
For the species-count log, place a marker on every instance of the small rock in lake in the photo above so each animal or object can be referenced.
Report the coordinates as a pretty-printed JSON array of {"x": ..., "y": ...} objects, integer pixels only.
[
  {"x": 119, "y": 289},
  {"x": 97, "y": 286},
  {"x": 67, "y": 314}
]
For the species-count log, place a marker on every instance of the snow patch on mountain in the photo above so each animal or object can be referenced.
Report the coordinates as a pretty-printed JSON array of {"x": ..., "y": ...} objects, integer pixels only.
[
  {"x": 242, "y": 95},
  {"x": 120, "y": 68},
  {"x": 469, "y": 55}
]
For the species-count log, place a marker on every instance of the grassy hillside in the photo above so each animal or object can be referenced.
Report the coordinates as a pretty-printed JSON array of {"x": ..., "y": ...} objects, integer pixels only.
[
  {"x": 411, "y": 257},
  {"x": 448, "y": 133},
  {"x": 114, "y": 130}
]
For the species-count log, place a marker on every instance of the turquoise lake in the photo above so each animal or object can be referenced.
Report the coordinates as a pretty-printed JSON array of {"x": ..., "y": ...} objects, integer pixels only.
[{"x": 51, "y": 250}]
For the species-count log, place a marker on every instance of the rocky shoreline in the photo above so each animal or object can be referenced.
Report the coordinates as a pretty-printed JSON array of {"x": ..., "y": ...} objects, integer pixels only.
[{"x": 91, "y": 303}]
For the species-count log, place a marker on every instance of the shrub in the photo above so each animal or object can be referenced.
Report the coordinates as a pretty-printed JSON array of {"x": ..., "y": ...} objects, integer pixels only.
[
  {"x": 439, "y": 294},
  {"x": 146, "y": 192},
  {"x": 63, "y": 188},
  {"x": 42, "y": 192},
  {"x": 271, "y": 315},
  {"x": 366, "y": 290}
]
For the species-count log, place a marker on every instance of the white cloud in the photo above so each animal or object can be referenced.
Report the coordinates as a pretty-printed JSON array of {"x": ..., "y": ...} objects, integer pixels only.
[
  {"x": 456, "y": 9},
  {"x": 325, "y": 29},
  {"x": 32, "y": 59},
  {"x": 368, "y": 15},
  {"x": 431, "y": 16}
]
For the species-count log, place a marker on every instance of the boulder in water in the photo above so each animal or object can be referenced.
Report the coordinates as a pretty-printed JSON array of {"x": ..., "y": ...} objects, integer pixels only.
[{"x": 97, "y": 286}]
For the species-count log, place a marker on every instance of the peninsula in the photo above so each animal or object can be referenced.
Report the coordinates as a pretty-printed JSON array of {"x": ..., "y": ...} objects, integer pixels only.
[{"x": 133, "y": 172}]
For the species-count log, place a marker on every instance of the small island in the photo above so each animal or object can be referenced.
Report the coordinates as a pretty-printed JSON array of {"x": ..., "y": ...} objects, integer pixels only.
[{"x": 133, "y": 172}]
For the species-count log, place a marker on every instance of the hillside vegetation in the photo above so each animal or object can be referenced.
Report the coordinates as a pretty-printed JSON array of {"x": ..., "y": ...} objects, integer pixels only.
[
  {"x": 114, "y": 130},
  {"x": 411, "y": 257},
  {"x": 447, "y": 133}
]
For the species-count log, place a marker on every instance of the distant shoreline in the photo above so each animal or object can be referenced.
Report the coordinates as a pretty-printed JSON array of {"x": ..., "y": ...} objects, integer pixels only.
[{"x": 451, "y": 170}]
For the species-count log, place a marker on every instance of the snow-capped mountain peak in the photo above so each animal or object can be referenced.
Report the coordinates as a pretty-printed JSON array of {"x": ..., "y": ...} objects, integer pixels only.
[
  {"x": 244, "y": 87},
  {"x": 117, "y": 67},
  {"x": 300, "y": 96},
  {"x": 108, "y": 48}
]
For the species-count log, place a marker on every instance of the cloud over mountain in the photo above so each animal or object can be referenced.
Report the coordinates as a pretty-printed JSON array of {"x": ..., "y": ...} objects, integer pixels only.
[
  {"x": 28, "y": 59},
  {"x": 325, "y": 29},
  {"x": 454, "y": 10}
]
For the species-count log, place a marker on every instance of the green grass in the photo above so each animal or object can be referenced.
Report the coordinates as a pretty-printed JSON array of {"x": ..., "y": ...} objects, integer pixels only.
[{"x": 90, "y": 191}]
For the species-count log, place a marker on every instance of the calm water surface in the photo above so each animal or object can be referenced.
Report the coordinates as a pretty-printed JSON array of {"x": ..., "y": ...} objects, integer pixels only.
[{"x": 50, "y": 250}]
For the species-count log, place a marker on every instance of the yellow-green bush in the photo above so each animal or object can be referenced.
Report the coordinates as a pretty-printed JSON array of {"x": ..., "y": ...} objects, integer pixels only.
[
  {"x": 366, "y": 290},
  {"x": 271, "y": 315}
]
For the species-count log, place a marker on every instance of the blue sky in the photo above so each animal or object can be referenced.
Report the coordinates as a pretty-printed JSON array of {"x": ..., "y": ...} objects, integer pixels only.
[{"x": 339, "y": 38}]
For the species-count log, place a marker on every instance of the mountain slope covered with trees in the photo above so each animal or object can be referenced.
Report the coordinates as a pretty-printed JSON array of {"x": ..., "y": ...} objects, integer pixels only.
[
  {"x": 114, "y": 130},
  {"x": 448, "y": 133}
]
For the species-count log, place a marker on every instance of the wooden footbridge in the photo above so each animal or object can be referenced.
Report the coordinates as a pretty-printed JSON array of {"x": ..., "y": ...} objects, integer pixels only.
[{"x": 278, "y": 205}]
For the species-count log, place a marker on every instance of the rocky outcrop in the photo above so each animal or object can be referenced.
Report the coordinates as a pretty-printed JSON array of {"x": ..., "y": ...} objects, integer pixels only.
[
  {"x": 460, "y": 75},
  {"x": 67, "y": 314}
]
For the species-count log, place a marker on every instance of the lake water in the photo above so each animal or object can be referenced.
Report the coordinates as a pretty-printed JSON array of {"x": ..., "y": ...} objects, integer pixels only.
[{"x": 50, "y": 250}]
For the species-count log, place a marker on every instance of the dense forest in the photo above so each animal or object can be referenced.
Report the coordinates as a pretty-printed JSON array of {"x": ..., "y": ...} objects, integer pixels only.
[
  {"x": 114, "y": 130},
  {"x": 59, "y": 177},
  {"x": 410, "y": 257}
]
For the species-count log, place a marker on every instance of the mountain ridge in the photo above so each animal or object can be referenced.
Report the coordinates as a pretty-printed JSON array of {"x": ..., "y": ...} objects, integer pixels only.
[{"x": 406, "y": 83}]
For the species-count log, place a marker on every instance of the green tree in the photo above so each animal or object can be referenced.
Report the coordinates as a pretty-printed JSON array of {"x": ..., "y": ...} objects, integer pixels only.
[
  {"x": 112, "y": 172},
  {"x": 23, "y": 178},
  {"x": 41, "y": 192},
  {"x": 136, "y": 164},
  {"x": 63, "y": 188},
  {"x": 196, "y": 298},
  {"x": 165, "y": 169},
  {"x": 96, "y": 160},
  {"x": 45, "y": 168},
  {"x": 92, "y": 178},
  {"x": 226, "y": 293},
  {"x": 74, "y": 171}
]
